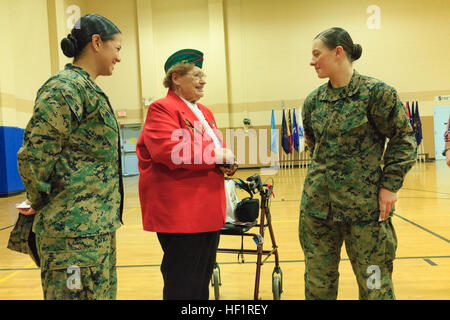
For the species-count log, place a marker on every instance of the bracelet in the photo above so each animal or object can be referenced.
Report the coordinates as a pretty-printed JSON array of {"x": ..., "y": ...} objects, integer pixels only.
[{"x": 445, "y": 151}]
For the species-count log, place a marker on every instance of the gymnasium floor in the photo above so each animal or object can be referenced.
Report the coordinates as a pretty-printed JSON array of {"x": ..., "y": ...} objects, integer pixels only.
[{"x": 421, "y": 270}]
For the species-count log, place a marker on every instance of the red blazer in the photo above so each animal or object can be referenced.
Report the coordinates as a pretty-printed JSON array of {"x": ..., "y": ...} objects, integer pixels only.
[{"x": 180, "y": 188}]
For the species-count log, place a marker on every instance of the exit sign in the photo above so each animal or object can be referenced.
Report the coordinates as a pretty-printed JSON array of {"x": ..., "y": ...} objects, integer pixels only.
[{"x": 442, "y": 98}]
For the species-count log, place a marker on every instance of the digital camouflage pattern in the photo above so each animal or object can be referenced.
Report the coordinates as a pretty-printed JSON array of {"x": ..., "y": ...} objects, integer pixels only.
[
  {"x": 78, "y": 268},
  {"x": 70, "y": 165},
  {"x": 346, "y": 149},
  {"x": 346, "y": 130},
  {"x": 70, "y": 158},
  {"x": 370, "y": 246}
]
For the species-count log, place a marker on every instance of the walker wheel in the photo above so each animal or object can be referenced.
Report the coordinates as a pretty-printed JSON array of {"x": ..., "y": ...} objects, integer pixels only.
[
  {"x": 276, "y": 288},
  {"x": 216, "y": 284}
]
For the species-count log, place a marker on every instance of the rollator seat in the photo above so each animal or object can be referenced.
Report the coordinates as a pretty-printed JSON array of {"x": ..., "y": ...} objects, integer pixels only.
[{"x": 232, "y": 228}]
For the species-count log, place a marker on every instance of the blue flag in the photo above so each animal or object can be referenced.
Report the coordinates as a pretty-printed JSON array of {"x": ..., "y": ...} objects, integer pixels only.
[
  {"x": 417, "y": 125},
  {"x": 290, "y": 130},
  {"x": 285, "y": 136},
  {"x": 411, "y": 119},
  {"x": 295, "y": 131},
  {"x": 273, "y": 136},
  {"x": 300, "y": 130}
]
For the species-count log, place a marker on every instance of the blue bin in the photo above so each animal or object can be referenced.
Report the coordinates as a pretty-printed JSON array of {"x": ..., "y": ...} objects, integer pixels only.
[{"x": 10, "y": 142}]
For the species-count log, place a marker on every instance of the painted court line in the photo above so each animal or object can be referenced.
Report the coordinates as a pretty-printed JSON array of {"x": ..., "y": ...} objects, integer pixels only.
[
  {"x": 11, "y": 275},
  {"x": 423, "y": 228},
  {"x": 29, "y": 266},
  {"x": 430, "y": 262}
]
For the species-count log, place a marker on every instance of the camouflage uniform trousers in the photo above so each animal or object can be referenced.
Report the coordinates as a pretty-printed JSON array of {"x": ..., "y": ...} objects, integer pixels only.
[
  {"x": 82, "y": 268},
  {"x": 370, "y": 245}
]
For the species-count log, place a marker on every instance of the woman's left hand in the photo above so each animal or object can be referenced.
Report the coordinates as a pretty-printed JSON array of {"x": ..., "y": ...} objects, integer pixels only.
[
  {"x": 386, "y": 200},
  {"x": 28, "y": 211},
  {"x": 228, "y": 170}
]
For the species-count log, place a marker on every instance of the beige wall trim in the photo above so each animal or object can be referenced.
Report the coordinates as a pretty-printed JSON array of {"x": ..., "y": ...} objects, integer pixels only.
[
  {"x": 10, "y": 101},
  {"x": 146, "y": 50},
  {"x": 7, "y": 100},
  {"x": 298, "y": 103},
  {"x": 24, "y": 105},
  {"x": 53, "y": 36},
  {"x": 422, "y": 95}
]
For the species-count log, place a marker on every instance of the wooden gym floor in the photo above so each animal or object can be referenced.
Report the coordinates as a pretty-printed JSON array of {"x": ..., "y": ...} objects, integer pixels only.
[{"x": 421, "y": 270}]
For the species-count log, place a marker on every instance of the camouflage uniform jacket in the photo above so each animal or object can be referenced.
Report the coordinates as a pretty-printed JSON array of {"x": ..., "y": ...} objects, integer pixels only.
[
  {"x": 346, "y": 131},
  {"x": 70, "y": 158}
]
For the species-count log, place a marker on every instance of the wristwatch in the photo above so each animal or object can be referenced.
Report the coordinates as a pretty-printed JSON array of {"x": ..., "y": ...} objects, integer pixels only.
[{"x": 445, "y": 151}]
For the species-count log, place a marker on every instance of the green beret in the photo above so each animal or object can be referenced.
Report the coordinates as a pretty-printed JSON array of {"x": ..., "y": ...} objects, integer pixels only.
[{"x": 185, "y": 56}]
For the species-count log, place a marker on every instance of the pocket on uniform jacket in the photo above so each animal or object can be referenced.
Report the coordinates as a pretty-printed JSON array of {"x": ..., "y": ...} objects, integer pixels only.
[
  {"x": 108, "y": 118},
  {"x": 353, "y": 132}
]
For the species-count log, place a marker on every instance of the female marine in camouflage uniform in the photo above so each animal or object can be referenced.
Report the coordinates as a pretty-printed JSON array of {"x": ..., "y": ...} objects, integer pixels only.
[
  {"x": 348, "y": 195},
  {"x": 70, "y": 166}
]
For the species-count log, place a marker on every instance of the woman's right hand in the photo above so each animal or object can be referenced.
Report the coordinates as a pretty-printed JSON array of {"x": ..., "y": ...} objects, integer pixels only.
[{"x": 26, "y": 211}]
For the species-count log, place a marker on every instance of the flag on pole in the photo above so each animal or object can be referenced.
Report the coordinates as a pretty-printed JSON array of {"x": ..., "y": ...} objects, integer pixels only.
[
  {"x": 417, "y": 125},
  {"x": 273, "y": 136},
  {"x": 290, "y": 131},
  {"x": 301, "y": 136},
  {"x": 408, "y": 113},
  {"x": 274, "y": 158},
  {"x": 295, "y": 132},
  {"x": 284, "y": 135},
  {"x": 411, "y": 115},
  {"x": 300, "y": 130}
]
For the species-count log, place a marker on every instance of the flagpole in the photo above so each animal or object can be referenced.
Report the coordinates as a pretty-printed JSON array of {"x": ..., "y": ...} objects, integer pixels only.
[
  {"x": 422, "y": 152},
  {"x": 291, "y": 156}
]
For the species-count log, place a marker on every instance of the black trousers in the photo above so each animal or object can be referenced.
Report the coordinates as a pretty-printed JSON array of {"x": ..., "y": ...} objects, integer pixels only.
[{"x": 187, "y": 264}]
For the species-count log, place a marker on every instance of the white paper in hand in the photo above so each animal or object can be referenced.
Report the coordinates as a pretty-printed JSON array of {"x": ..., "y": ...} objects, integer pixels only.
[{"x": 23, "y": 205}]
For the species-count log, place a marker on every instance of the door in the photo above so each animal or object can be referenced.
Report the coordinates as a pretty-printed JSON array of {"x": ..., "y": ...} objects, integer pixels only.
[
  {"x": 440, "y": 118},
  {"x": 129, "y": 135}
]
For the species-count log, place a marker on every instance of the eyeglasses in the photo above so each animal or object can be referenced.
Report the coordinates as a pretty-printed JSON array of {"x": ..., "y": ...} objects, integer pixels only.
[{"x": 198, "y": 76}]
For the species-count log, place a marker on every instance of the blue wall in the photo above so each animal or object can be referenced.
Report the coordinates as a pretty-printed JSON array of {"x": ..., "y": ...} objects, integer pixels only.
[{"x": 10, "y": 142}]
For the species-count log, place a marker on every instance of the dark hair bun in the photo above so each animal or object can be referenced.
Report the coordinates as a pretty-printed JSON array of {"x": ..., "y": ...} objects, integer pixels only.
[
  {"x": 82, "y": 32},
  {"x": 357, "y": 51},
  {"x": 69, "y": 46}
]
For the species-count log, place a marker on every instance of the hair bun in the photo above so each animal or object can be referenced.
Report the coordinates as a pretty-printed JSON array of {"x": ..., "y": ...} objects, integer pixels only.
[
  {"x": 357, "y": 51},
  {"x": 69, "y": 46}
]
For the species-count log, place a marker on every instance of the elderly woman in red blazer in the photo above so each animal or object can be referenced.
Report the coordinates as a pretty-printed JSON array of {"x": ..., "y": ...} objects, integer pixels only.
[{"x": 182, "y": 162}]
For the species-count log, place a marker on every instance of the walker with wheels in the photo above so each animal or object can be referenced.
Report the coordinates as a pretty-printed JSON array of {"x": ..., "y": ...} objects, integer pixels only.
[{"x": 253, "y": 186}]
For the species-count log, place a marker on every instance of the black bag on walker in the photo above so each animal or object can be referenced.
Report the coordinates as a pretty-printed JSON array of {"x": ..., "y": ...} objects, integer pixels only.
[{"x": 247, "y": 210}]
